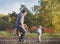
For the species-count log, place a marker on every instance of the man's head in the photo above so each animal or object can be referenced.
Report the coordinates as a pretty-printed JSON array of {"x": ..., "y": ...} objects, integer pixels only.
[{"x": 24, "y": 12}]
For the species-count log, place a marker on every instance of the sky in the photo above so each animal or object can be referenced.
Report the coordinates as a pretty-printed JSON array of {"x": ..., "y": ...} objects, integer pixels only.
[{"x": 7, "y": 6}]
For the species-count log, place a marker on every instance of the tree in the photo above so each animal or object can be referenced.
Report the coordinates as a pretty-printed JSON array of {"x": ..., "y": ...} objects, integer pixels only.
[
  {"x": 49, "y": 13},
  {"x": 44, "y": 12},
  {"x": 56, "y": 15},
  {"x": 3, "y": 22},
  {"x": 12, "y": 19}
]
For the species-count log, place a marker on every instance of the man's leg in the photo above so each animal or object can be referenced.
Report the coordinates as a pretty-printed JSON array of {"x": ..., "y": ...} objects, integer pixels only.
[
  {"x": 17, "y": 32},
  {"x": 21, "y": 38}
]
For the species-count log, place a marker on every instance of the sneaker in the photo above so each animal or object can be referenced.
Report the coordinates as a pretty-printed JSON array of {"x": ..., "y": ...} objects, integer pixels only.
[
  {"x": 38, "y": 41},
  {"x": 22, "y": 41}
]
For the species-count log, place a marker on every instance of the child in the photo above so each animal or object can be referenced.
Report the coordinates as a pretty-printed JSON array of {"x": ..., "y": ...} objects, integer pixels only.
[{"x": 39, "y": 32}]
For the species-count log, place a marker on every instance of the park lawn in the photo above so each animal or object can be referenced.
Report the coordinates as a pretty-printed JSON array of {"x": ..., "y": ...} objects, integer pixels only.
[
  {"x": 6, "y": 34},
  {"x": 44, "y": 34}
]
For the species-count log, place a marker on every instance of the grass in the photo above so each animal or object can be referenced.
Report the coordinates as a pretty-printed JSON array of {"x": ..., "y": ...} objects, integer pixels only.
[
  {"x": 31, "y": 34},
  {"x": 6, "y": 34},
  {"x": 44, "y": 34}
]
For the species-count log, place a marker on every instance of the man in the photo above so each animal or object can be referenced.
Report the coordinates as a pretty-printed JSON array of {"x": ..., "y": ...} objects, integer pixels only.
[{"x": 20, "y": 24}]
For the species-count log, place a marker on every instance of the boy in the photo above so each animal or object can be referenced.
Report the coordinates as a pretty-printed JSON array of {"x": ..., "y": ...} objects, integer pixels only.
[{"x": 39, "y": 32}]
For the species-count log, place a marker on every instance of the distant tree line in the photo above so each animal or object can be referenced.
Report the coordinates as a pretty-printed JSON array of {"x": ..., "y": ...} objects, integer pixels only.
[{"x": 47, "y": 14}]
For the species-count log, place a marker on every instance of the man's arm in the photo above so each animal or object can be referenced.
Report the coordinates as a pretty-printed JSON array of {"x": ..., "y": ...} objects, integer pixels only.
[{"x": 22, "y": 21}]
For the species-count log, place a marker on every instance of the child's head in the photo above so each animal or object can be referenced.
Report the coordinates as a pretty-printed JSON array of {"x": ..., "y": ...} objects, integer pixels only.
[{"x": 39, "y": 26}]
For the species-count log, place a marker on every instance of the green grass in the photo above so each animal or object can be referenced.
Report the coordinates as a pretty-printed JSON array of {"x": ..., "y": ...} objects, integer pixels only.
[
  {"x": 3, "y": 33},
  {"x": 31, "y": 34},
  {"x": 6, "y": 34},
  {"x": 44, "y": 34}
]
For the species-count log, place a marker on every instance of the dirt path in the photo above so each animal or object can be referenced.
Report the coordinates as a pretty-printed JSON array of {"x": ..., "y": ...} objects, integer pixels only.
[{"x": 30, "y": 41}]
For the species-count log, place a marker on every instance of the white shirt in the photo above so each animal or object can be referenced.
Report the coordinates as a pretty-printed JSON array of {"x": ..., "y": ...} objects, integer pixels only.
[
  {"x": 22, "y": 19},
  {"x": 39, "y": 30}
]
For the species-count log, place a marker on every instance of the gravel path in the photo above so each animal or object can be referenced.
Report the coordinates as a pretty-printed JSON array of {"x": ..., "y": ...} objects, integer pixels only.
[{"x": 30, "y": 41}]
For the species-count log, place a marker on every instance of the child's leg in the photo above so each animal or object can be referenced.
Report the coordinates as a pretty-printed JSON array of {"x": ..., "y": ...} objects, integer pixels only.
[{"x": 39, "y": 37}]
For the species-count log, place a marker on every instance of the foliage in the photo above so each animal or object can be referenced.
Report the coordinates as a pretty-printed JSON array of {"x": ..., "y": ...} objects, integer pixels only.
[
  {"x": 56, "y": 15},
  {"x": 49, "y": 14}
]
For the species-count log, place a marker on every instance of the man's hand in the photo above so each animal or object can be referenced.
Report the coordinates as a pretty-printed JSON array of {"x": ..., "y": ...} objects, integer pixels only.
[{"x": 23, "y": 26}]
